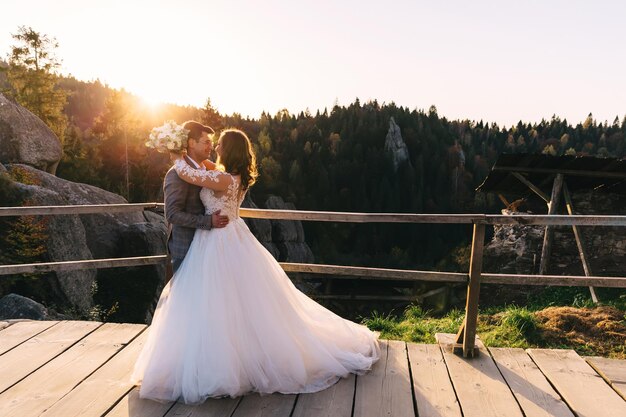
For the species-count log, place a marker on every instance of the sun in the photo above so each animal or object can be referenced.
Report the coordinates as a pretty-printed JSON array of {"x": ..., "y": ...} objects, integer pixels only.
[{"x": 151, "y": 103}]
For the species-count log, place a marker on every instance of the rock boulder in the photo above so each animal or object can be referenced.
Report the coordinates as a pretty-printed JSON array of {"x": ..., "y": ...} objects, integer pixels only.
[
  {"x": 25, "y": 139},
  {"x": 13, "y": 306}
]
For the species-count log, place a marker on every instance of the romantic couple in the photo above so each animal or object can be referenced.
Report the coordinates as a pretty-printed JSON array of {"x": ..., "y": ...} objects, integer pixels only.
[{"x": 230, "y": 321}]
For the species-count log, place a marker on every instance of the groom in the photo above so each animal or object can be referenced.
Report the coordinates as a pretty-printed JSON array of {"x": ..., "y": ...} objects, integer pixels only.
[{"x": 184, "y": 211}]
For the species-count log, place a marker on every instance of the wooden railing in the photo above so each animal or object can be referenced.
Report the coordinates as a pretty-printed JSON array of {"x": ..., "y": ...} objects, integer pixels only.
[{"x": 465, "y": 341}]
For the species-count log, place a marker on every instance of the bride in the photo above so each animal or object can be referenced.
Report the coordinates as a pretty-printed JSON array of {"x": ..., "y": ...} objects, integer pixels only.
[{"x": 230, "y": 321}]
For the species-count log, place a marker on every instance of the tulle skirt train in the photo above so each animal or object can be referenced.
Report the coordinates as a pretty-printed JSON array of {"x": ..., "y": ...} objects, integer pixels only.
[{"x": 231, "y": 322}]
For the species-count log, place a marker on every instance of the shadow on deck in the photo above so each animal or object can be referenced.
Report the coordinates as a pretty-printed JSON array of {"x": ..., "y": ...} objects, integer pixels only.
[{"x": 79, "y": 368}]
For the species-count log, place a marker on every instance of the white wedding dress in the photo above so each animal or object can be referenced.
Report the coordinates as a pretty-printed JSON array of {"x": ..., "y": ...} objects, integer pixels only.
[{"x": 230, "y": 321}]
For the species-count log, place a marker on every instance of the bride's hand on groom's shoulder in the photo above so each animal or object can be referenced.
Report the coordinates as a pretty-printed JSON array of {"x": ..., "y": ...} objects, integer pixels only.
[{"x": 209, "y": 165}]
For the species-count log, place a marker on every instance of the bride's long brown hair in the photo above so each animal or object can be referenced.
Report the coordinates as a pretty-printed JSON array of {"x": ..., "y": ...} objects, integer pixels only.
[{"x": 238, "y": 157}]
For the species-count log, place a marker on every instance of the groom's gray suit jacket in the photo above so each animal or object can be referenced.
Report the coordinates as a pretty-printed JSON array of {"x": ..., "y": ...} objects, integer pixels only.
[{"x": 184, "y": 212}]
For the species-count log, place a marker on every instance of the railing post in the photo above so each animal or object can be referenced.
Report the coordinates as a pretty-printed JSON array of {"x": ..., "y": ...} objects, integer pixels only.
[{"x": 467, "y": 333}]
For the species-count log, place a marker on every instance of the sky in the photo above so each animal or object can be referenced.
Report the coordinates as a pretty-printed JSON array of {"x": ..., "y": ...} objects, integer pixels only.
[{"x": 496, "y": 61}]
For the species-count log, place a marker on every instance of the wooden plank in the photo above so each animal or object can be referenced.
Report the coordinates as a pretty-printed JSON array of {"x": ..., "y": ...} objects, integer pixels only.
[
  {"x": 433, "y": 218},
  {"x": 334, "y": 216},
  {"x": 212, "y": 407},
  {"x": 331, "y": 216},
  {"x": 39, "y": 268},
  {"x": 375, "y": 273},
  {"x": 586, "y": 393},
  {"x": 335, "y": 401},
  {"x": 41, "y": 389},
  {"x": 360, "y": 272},
  {"x": 572, "y": 172},
  {"x": 386, "y": 389},
  {"x": 434, "y": 394},
  {"x": 556, "y": 219},
  {"x": 133, "y": 406},
  {"x": 467, "y": 333},
  {"x": 613, "y": 371},
  {"x": 582, "y": 253},
  {"x": 36, "y": 351},
  {"x": 76, "y": 209},
  {"x": 275, "y": 405},
  {"x": 480, "y": 388},
  {"x": 367, "y": 297},
  {"x": 553, "y": 280},
  {"x": 20, "y": 332},
  {"x": 532, "y": 186},
  {"x": 4, "y": 325},
  {"x": 534, "y": 393},
  {"x": 504, "y": 200},
  {"x": 96, "y": 394}
]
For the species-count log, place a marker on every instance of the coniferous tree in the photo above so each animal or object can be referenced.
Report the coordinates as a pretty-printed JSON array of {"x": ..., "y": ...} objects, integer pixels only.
[{"x": 33, "y": 79}]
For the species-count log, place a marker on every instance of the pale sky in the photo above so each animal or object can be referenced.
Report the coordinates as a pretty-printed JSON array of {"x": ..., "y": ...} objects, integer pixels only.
[{"x": 499, "y": 61}]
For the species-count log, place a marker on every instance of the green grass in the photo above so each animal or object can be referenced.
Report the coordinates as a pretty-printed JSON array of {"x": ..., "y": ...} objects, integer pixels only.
[
  {"x": 507, "y": 326},
  {"x": 414, "y": 325},
  {"x": 514, "y": 327}
]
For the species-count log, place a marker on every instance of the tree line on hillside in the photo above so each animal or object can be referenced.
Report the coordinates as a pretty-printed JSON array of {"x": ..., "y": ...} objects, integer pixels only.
[{"x": 332, "y": 160}]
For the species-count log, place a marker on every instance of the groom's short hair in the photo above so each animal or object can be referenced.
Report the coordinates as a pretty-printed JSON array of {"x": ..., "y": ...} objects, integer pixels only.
[{"x": 195, "y": 129}]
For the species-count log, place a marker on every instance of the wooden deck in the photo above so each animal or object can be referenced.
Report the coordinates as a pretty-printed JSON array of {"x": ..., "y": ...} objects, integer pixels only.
[{"x": 74, "y": 368}]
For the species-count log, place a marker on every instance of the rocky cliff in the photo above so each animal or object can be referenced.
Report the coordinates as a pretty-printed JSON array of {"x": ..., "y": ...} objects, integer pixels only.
[{"x": 395, "y": 146}]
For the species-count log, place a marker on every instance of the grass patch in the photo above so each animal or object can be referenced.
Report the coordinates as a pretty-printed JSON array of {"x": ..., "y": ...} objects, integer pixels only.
[
  {"x": 415, "y": 325},
  {"x": 599, "y": 330},
  {"x": 513, "y": 327}
]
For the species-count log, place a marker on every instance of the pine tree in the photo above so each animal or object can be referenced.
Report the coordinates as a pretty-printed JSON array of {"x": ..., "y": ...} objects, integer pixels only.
[{"x": 32, "y": 77}]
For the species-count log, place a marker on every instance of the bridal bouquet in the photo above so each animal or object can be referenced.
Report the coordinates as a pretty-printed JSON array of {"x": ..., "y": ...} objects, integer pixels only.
[{"x": 169, "y": 137}]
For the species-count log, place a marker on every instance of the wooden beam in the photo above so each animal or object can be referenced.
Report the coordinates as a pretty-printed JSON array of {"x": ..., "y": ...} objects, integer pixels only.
[
  {"x": 330, "y": 216},
  {"x": 467, "y": 333},
  {"x": 78, "y": 209},
  {"x": 375, "y": 273},
  {"x": 399, "y": 298},
  {"x": 548, "y": 235},
  {"x": 532, "y": 186},
  {"x": 556, "y": 219},
  {"x": 504, "y": 200},
  {"x": 433, "y": 218},
  {"x": 553, "y": 280},
  {"x": 569, "y": 172},
  {"x": 579, "y": 241},
  {"x": 40, "y": 268},
  {"x": 339, "y": 272}
]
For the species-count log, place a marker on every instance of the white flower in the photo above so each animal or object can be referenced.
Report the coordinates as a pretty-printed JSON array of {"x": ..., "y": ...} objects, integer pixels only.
[{"x": 170, "y": 136}]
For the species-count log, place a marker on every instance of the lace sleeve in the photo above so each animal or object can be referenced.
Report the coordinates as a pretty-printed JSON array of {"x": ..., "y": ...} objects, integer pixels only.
[{"x": 213, "y": 179}]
